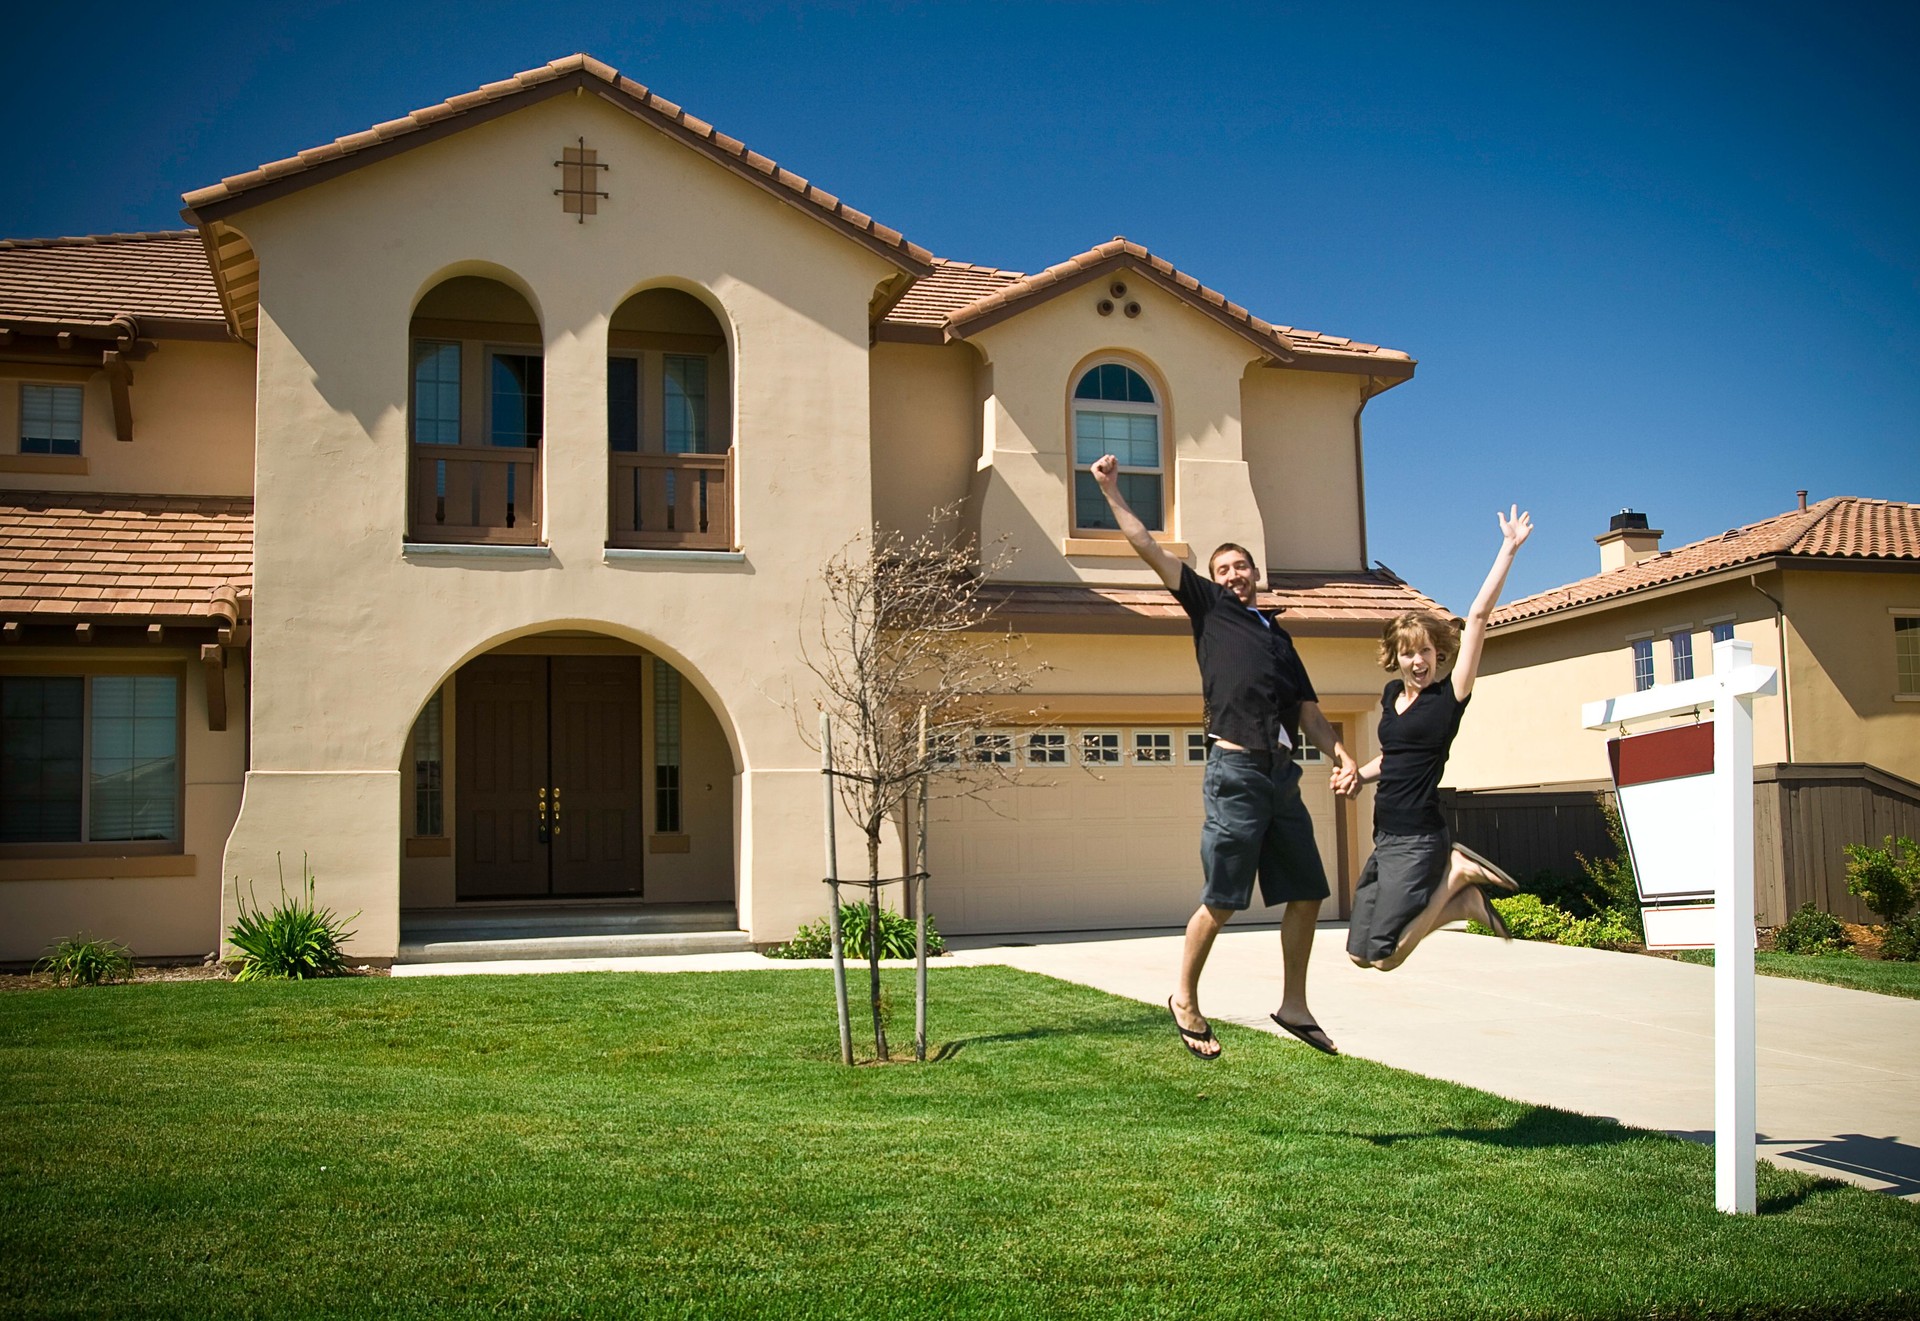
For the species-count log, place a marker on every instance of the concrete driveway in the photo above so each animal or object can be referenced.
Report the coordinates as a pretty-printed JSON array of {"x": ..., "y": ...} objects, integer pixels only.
[{"x": 1618, "y": 1035}]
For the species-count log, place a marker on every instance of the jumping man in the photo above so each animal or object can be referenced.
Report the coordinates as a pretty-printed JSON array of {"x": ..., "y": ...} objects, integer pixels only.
[{"x": 1258, "y": 700}]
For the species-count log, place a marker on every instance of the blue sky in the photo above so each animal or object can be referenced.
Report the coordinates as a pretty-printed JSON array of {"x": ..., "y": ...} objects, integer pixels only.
[{"x": 1658, "y": 257}]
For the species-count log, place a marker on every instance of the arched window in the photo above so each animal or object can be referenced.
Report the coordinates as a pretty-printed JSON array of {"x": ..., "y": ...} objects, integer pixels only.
[{"x": 1115, "y": 412}]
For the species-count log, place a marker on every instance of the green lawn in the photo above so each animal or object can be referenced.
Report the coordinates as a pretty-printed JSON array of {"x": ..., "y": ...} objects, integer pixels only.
[
  {"x": 688, "y": 1145},
  {"x": 1856, "y": 974}
]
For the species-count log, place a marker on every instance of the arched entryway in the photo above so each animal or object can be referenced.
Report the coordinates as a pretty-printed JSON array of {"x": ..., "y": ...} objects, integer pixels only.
[{"x": 568, "y": 767}]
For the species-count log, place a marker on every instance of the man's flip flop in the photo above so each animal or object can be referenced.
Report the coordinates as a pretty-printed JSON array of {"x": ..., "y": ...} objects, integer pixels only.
[
  {"x": 1495, "y": 875},
  {"x": 1310, "y": 1033},
  {"x": 1192, "y": 1040}
]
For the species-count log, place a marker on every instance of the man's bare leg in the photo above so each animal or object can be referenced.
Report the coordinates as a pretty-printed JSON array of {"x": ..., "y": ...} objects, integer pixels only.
[
  {"x": 1202, "y": 927},
  {"x": 1296, "y": 948}
]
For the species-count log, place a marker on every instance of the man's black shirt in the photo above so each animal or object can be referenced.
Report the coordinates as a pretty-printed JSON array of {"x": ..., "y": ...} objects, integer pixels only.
[{"x": 1250, "y": 675}]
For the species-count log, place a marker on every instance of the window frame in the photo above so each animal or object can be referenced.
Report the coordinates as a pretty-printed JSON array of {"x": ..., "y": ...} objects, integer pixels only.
[
  {"x": 1641, "y": 650},
  {"x": 84, "y": 847},
  {"x": 1906, "y": 624},
  {"x": 1053, "y": 742},
  {"x": 1082, "y": 745},
  {"x": 1134, "y": 747},
  {"x": 1195, "y": 741},
  {"x": 1159, "y": 409},
  {"x": 993, "y": 747},
  {"x": 1680, "y": 649},
  {"x": 58, "y": 389}
]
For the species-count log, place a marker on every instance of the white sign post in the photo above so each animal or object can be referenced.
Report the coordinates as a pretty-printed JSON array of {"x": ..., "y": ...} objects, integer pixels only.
[{"x": 1724, "y": 825}]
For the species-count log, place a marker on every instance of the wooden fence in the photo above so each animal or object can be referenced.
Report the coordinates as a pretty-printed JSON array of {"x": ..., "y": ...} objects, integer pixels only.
[{"x": 1803, "y": 815}]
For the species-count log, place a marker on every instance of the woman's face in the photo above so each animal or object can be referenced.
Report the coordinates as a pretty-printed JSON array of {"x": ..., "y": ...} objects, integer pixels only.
[{"x": 1417, "y": 661}]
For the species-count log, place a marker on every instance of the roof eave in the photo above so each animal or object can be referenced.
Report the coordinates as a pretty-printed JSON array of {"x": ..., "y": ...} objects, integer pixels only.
[{"x": 908, "y": 257}]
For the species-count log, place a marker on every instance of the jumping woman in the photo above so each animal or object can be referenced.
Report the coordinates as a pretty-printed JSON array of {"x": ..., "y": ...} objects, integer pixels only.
[{"x": 1417, "y": 879}]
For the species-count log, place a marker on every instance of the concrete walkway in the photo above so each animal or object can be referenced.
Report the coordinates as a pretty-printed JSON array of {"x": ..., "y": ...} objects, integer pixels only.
[{"x": 1600, "y": 1033}]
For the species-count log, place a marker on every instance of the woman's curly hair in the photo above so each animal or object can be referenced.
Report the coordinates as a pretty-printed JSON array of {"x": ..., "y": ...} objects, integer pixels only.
[{"x": 1414, "y": 628}]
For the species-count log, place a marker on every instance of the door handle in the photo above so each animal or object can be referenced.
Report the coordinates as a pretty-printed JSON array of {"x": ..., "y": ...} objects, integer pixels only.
[
  {"x": 544, "y": 833},
  {"x": 556, "y": 809}
]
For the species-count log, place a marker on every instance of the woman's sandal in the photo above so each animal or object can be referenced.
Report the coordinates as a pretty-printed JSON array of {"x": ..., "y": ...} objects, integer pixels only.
[
  {"x": 1495, "y": 876},
  {"x": 1493, "y": 918}
]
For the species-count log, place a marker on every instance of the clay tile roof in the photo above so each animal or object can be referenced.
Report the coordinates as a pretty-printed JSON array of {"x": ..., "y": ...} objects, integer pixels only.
[
  {"x": 1337, "y": 604},
  {"x": 953, "y": 285},
  {"x": 123, "y": 559},
  {"x": 156, "y": 278},
  {"x": 551, "y": 79},
  {"x": 1843, "y": 527},
  {"x": 1005, "y": 297}
]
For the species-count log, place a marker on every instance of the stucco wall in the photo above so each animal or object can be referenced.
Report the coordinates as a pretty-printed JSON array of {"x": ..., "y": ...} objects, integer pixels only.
[
  {"x": 352, "y": 633},
  {"x": 1034, "y": 360},
  {"x": 926, "y": 430},
  {"x": 1840, "y": 663},
  {"x": 1301, "y": 461},
  {"x": 192, "y": 425},
  {"x": 160, "y": 905},
  {"x": 1523, "y": 726}
]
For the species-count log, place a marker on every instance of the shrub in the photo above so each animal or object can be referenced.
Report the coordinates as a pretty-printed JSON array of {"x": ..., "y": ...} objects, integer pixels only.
[
  {"x": 1900, "y": 941},
  {"x": 1618, "y": 905},
  {"x": 84, "y": 961},
  {"x": 1811, "y": 931},
  {"x": 1529, "y": 917},
  {"x": 1574, "y": 894},
  {"x": 1886, "y": 879},
  {"x": 293, "y": 939},
  {"x": 815, "y": 940}
]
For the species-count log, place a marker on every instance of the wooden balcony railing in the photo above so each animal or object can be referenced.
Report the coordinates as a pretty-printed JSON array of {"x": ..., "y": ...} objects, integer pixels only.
[
  {"x": 671, "y": 501},
  {"x": 474, "y": 496}
]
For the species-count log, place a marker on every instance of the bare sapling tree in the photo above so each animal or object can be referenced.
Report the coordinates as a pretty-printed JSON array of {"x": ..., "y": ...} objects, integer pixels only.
[{"x": 907, "y": 626}]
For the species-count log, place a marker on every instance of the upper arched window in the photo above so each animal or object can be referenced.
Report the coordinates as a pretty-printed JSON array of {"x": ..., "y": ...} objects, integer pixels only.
[{"x": 1115, "y": 412}]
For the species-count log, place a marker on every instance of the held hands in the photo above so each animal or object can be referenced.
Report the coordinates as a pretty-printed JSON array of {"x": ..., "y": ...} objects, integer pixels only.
[
  {"x": 1515, "y": 526},
  {"x": 1345, "y": 779}
]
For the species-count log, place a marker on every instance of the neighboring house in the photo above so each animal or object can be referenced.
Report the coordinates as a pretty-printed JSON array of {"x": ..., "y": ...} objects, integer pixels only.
[
  {"x": 447, "y": 508},
  {"x": 1828, "y": 594}
]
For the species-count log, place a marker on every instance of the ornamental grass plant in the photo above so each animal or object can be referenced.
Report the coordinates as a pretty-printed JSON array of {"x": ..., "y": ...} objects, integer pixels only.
[
  {"x": 86, "y": 961},
  {"x": 295, "y": 939}
]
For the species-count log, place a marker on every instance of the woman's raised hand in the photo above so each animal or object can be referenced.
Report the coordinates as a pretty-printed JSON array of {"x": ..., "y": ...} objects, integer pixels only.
[{"x": 1516, "y": 525}]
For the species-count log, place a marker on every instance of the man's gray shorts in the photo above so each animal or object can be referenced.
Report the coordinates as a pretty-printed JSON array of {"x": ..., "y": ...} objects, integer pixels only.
[
  {"x": 1398, "y": 881},
  {"x": 1256, "y": 825}
]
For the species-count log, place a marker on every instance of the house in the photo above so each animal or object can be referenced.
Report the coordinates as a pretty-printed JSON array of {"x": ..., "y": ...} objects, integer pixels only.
[
  {"x": 446, "y": 507},
  {"x": 1828, "y": 594}
]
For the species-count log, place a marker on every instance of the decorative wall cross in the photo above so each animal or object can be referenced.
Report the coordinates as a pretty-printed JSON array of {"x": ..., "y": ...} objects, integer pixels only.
[{"x": 576, "y": 199}]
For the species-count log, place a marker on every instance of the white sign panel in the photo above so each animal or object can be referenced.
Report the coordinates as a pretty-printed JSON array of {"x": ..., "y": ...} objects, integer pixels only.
[{"x": 1664, "y": 784}]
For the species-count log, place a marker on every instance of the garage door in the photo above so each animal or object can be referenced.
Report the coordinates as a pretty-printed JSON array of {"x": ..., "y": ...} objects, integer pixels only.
[{"x": 1101, "y": 831}]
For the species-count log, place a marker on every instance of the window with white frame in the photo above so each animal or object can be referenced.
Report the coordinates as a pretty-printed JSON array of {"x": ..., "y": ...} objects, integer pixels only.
[
  {"x": 1046, "y": 747},
  {"x": 1100, "y": 747},
  {"x": 1196, "y": 746},
  {"x": 1642, "y": 664},
  {"x": 1115, "y": 412},
  {"x": 1153, "y": 747},
  {"x": 1305, "y": 752},
  {"x": 1906, "y": 654},
  {"x": 1682, "y": 656},
  {"x": 993, "y": 748},
  {"x": 1722, "y": 632},
  {"x": 50, "y": 419},
  {"x": 90, "y": 759}
]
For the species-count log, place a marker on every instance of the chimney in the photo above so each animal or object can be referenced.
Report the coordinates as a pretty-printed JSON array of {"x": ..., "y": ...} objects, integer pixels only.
[
  {"x": 1803, "y": 500},
  {"x": 1627, "y": 540}
]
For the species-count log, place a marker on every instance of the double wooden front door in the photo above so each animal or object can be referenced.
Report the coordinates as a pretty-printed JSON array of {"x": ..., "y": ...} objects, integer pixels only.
[{"x": 549, "y": 784}]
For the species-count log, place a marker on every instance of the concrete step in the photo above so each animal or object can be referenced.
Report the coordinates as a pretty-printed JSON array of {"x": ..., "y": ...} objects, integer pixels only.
[{"x": 608, "y": 945}]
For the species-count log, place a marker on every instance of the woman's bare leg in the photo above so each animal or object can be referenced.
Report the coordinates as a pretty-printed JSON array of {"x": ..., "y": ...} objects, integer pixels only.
[{"x": 1452, "y": 902}]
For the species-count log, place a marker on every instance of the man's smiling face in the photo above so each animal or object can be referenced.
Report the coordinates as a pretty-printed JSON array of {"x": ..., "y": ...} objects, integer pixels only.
[{"x": 1235, "y": 572}]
